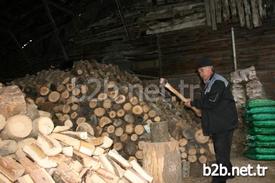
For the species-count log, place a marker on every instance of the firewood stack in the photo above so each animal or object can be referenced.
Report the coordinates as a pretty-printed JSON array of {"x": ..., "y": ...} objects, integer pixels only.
[
  {"x": 114, "y": 110},
  {"x": 37, "y": 151}
]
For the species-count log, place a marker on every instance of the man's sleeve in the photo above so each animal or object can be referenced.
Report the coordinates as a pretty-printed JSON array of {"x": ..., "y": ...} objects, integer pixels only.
[{"x": 212, "y": 98}]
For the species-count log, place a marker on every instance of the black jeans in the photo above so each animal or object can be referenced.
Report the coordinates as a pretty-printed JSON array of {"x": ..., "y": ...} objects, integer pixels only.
[{"x": 222, "y": 146}]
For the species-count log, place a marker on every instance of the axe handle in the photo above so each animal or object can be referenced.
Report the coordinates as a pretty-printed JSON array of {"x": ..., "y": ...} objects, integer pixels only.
[{"x": 173, "y": 90}]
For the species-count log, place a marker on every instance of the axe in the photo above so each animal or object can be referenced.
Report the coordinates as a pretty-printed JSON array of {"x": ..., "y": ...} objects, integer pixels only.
[{"x": 164, "y": 82}]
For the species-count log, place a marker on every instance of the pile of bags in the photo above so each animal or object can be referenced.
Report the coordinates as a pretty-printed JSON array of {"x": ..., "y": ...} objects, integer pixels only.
[{"x": 260, "y": 117}]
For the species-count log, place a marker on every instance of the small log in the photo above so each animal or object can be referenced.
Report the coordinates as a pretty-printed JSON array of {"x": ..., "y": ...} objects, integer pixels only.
[
  {"x": 18, "y": 126},
  {"x": 118, "y": 122},
  {"x": 129, "y": 128},
  {"x": 99, "y": 112},
  {"x": 44, "y": 90},
  {"x": 107, "y": 142},
  {"x": 102, "y": 96},
  {"x": 152, "y": 113},
  {"x": 134, "y": 137},
  {"x": 54, "y": 96},
  {"x": 202, "y": 159},
  {"x": 134, "y": 100},
  {"x": 93, "y": 103},
  {"x": 118, "y": 146},
  {"x": 80, "y": 120},
  {"x": 10, "y": 168},
  {"x": 145, "y": 108},
  {"x": 192, "y": 151},
  {"x": 139, "y": 129},
  {"x": 60, "y": 88},
  {"x": 66, "y": 109},
  {"x": 137, "y": 110},
  {"x": 112, "y": 114},
  {"x": 124, "y": 137},
  {"x": 120, "y": 99},
  {"x": 111, "y": 129},
  {"x": 129, "y": 118},
  {"x": 107, "y": 165},
  {"x": 202, "y": 150},
  {"x": 157, "y": 119},
  {"x": 120, "y": 113},
  {"x": 107, "y": 104},
  {"x": 139, "y": 155},
  {"x": 192, "y": 158},
  {"x": 184, "y": 155},
  {"x": 104, "y": 121},
  {"x": 44, "y": 114},
  {"x": 127, "y": 106},
  {"x": 76, "y": 92},
  {"x": 183, "y": 142},
  {"x": 74, "y": 107},
  {"x": 81, "y": 135},
  {"x": 84, "y": 89}
]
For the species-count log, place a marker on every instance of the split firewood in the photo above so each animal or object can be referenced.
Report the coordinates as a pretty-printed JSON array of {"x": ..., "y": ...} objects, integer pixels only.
[
  {"x": 44, "y": 114},
  {"x": 98, "y": 151},
  {"x": 104, "y": 121},
  {"x": 21, "y": 144},
  {"x": 75, "y": 143},
  {"x": 25, "y": 179},
  {"x": 68, "y": 151},
  {"x": 93, "y": 177},
  {"x": 141, "y": 171},
  {"x": 133, "y": 177},
  {"x": 87, "y": 148},
  {"x": 4, "y": 179},
  {"x": 10, "y": 168},
  {"x": 37, "y": 173},
  {"x": 39, "y": 156},
  {"x": 119, "y": 159},
  {"x": 106, "y": 164},
  {"x": 68, "y": 124},
  {"x": 17, "y": 127},
  {"x": 66, "y": 173},
  {"x": 42, "y": 125},
  {"x": 49, "y": 145},
  {"x": 88, "y": 162},
  {"x": 80, "y": 135}
]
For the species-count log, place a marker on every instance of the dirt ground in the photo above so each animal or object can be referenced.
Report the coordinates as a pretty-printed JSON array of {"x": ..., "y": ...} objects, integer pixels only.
[{"x": 242, "y": 161}]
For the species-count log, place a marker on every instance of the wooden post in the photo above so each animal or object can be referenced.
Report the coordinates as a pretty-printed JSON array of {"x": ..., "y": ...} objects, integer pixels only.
[{"x": 163, "y": 162}]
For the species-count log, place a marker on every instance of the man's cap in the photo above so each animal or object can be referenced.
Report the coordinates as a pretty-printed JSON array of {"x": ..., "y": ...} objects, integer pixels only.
[{"x": 203, "y": 62}]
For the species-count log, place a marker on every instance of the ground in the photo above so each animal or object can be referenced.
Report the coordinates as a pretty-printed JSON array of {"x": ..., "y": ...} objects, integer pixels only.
[{"x": 242, "y": 161}]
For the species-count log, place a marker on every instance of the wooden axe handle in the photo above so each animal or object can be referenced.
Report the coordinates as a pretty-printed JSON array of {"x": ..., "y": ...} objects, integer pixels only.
[{"x": 173, "y": 90}]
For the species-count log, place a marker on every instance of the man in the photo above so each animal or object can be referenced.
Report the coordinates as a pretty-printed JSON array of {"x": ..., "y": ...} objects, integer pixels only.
[{"x": 219, "y": 114}]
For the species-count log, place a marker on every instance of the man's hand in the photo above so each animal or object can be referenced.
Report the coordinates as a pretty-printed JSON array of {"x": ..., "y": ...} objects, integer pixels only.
[{"x": 188, "y": 103}]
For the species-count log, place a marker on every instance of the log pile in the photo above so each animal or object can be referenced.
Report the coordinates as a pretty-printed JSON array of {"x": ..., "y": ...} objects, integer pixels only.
[
  {"x": 115, "y": 111},
  {"x": 37, "y": 151}
]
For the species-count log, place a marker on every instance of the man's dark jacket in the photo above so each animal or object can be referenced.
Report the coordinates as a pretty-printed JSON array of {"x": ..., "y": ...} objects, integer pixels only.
[{"x": 218, "y": 107}]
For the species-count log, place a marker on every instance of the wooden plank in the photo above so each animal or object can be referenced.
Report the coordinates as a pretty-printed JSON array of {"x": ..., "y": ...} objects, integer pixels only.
[
  {"x": 207, "y": 12},
  {"x": 240, "y": 8},
  {"x": 247, "y": 14},
  {"x": 219, "y": 11},
  {"x": 213, "y": 14},
  {"x": 255, "y": 14}
]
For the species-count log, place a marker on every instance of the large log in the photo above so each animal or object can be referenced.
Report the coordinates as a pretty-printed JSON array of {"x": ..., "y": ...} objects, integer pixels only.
[
  {"x": 12, "y": 101},
  {"x": 163, "y": 161},
  {"x": 159, "y": 132}
]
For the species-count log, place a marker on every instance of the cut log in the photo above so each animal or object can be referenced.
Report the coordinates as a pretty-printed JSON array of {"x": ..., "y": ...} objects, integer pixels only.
[
  {"x": 200, "y": 138},
  {"x": 157, "y": 119},
  {"x": 112, "y": 114},
  {"x": 124, "y": 137},
  {"x": 134, "y": 100},
  {"x": 118, "y": 146},
  {"x": 93, "y": 103},
  {"x": 87, "y": 148},
  {"x": 85, "y": 127},
  {"x": 129, "y": 118},
  {"x": 10, "y": 168},
  {"x": 111, "y": 129},
  {"x": 184, "y": 155},
  {"x": 129, "y": 128},
  {"x": 102, "y": 96},
  {"x": 119, "y": 131},
  {"x": 25, "y": 179},
  {"x": 120, "y": 113},
  {"x": 120, "y": 99},
  {"x": 75, "y": 107},
  {"x": 44, "y": 90},
  {"x": 104, "y": 121},
  {"x": 130, "y": 148},
  {"x": 145, "y": 108},
  {"x": 134, "y": 137},
  {"x": 139, "y": 155},
  {"x": 7, "y": 147},
  {"x": 107, "y": 142},
  {"x": 106, "y": 164},
  {"x": 80, "y": 120},
  {"x": 12, "y": 101},
  {"x": 54, "y": 96},
  {"x": 66, "y": 109},
  {"x": 137, "y": 110},
  {"x": 107, "y": 104},
  {"x": 42, "y": 125},
  {"x": 139, "y": 129},
  {"x": 202, "y": 159},
  {"x": 117, "y": 122},
  {"x": 163, "y": 162},
  {"x": 159, "y": 132},
  {"x": 81, "y": 135},
  {"x": 17, "y": 127},
  {"x": 37, "y": 174},
  {"x": 76, "y": 92},
  {"x": 60, "y": 88},
  {"x": 192, "y": 158},
  {"x": 99, "y": 112},
  {"x": 152, "y": 113},
  {"x": 127, "y": 106},
  {"x": 183, "y": 142},
  {"x": 75, "y": 143}
]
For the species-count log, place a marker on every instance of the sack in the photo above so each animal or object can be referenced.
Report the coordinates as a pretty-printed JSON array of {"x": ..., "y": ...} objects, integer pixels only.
[
  {"x": 266, "y": 157},
  {"x": 261, "y": 117},
  {"x": 260, "y": 150},
  {"x": 260, "y": 144},
  {"x": 261, "y": 138},
  {"x": 260, "y": 103},
  {"x": 261, "y": 131},
  {"x": 258, "y": 110},
  {"x": 265, "y": 124}
]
